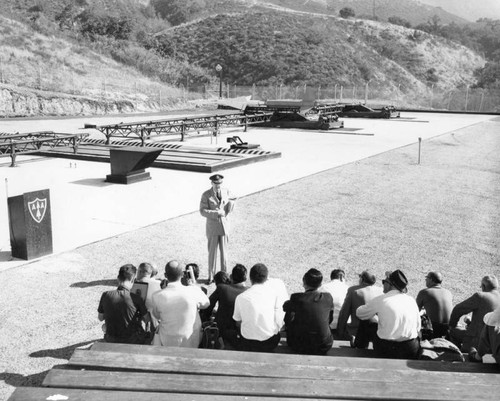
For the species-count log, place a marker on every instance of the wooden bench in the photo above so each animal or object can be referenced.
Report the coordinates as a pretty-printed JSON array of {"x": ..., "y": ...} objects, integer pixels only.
[{"x": 120, "y": 371}]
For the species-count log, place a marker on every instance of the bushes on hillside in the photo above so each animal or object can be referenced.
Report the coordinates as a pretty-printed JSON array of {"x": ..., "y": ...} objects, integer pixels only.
[
  {"x": 177, "y": 11},
  {"x": 93, "y": 25},
  {"x": 347, "y": 12}
]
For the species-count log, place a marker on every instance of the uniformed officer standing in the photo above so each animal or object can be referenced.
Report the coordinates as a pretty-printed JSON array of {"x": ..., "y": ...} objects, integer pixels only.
[{"x": 215, "y": 205}]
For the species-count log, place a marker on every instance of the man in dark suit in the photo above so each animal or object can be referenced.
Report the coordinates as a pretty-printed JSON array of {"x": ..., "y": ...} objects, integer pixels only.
[
  {"x": 215, "y": 205},
  {"x": 225, "y": 296},
  {"x": 122, "y": 311},
  {"x": 308, "y": 317}
]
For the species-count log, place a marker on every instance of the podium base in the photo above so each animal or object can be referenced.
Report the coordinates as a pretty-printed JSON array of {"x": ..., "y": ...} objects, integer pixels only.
[{"x": 130, "y": 178}]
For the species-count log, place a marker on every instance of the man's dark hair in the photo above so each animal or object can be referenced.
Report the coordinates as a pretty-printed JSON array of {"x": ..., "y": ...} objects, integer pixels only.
[
  {"x": 127, "y": 272},
  {"x": 221, "y": 278},
  {"x": 239, "y": 274},
  {"x": 173, "y": 271},
  {"x": 489, "y": 283},
  {"x": 196, "y": 269},
  {"x": 313, "y": 278},
  {"x": 258, "y": 273},
  {"x": 337, "y": 274}
]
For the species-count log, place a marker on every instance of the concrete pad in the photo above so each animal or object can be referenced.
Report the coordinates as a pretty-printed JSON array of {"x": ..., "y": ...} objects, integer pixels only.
[{"x": 86, "y": 209}]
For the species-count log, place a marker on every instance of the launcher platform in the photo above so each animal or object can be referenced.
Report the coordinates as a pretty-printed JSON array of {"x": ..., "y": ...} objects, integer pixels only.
[
  {"x": 289, "y": 114},
  {"x": 34, "y": 142}
]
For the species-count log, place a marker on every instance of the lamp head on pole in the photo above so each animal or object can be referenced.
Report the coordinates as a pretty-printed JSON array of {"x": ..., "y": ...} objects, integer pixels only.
[{"x": 218, "y": 68}]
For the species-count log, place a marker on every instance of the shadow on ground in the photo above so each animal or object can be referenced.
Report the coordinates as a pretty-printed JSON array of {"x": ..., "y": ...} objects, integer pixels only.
[
  {"x": 85, "y": 284},
  {"x": 17, "y": 380},
  {"x": 61, "y": 353},
  {"x": 93, "y": 182}
]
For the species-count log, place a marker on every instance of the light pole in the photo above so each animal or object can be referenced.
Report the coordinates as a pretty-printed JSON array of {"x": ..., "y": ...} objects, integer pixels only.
[{"x": 218, "y": 68}]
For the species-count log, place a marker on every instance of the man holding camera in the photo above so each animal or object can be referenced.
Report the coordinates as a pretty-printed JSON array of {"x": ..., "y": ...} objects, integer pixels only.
[{"x": 215, "y": 205}]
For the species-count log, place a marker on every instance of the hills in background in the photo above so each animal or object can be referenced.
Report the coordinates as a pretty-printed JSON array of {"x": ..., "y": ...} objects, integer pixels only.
[
  {"x": 467, "y": 9},
  {"x": 286, "y": 48},
  {"x": 120, "y": 43}
]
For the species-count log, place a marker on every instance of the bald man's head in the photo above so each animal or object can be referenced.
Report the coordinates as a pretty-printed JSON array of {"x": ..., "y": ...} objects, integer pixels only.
[{"x": 174, "y": 271}]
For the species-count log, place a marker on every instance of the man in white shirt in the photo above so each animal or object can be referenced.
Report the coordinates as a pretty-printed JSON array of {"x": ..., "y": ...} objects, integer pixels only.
[
  {"x": 177, "y": 308},
  {"x": 337, "y": 287},
  {"x": 258, "y": 312},
  {"x": 398, "y": 319}
]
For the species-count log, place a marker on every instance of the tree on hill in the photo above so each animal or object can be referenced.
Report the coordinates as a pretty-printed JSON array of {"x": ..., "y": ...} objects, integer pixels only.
[
  {"x": 347, "y": 12},
  {"x": 399, "y": 21},
  {"x": 488, "y": 77},
  {"x": 177, "y": 11}
]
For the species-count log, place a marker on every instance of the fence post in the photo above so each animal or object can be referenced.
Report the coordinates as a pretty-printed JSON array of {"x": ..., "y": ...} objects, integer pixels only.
[
  {"x": 482, "y": 100},
  {"x": 466, "y": 97},
  {"x": 341, "y": 90},
  {"x": 419, "y": 148},
  {"x": 39, "y": 78}
]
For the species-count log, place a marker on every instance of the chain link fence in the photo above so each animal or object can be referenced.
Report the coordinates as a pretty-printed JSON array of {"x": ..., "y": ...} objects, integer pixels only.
[{"x": 159, "y": 96}]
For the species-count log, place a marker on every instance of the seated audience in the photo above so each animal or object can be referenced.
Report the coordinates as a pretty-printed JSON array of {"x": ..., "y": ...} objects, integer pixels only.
[
  {"x": 337, "y": 287},
  {"x": 307, "y": 317},
  {"x": 258, "y": 312},
  {"x": 480, "y": 303},
  {"x": 437, "y": 302},
  {"x": 177, "y": 308},
  {"x": 122, "y": 311},
  {"x": 398, "y": 319},
  {"x": 144, "y": 275},
  {"x": 224, "y": 297},
  {"x": 489, "y": 340},
  {"x": 358, "y": 295}
]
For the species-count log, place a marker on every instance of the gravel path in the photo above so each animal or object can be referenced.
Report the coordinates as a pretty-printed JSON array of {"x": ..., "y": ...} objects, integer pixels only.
[{"x": 382, "y": 213}]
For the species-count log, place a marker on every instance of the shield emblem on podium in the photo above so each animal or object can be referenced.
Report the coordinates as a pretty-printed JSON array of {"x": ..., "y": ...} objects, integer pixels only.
[{"x": 37, "y": 209}]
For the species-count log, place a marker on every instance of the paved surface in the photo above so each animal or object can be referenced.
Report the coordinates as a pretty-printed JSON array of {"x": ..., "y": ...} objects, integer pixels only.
[{"x": 86, "y": 209}]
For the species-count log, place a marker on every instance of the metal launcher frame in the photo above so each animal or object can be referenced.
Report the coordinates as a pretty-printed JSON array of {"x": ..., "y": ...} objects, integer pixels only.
[
  {"x": 145, "y": 130},
  {"x": 358, "y": 110},
  {"x": 287, "y": 114},
  {"x": 32, "y": 142}
]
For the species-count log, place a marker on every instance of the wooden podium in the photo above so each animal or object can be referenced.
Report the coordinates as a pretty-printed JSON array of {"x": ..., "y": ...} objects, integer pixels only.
[
  {"x": 128, "y": 164},
  {"x": 30, "y": 224}
]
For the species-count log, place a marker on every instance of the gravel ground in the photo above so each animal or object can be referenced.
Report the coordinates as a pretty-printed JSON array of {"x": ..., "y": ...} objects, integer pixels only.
[{"x": 381, "y": 213}]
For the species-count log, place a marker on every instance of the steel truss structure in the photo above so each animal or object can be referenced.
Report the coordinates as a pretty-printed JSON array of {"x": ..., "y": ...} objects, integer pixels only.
[
  {"x": 145, "y": 130},
  {"x": 31, "y": 142}
]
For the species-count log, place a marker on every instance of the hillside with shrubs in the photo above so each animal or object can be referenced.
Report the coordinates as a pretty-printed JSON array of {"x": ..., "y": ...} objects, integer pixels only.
[{"x": 152, "y": 54}]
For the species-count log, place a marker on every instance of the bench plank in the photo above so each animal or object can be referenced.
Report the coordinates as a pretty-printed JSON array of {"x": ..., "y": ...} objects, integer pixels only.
[
  {"x": 265, "y": 387},
  {"x": 38, "y": 393},
  {"x": 243, "y": 368},
  {"x": 287, "y": 359}
]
